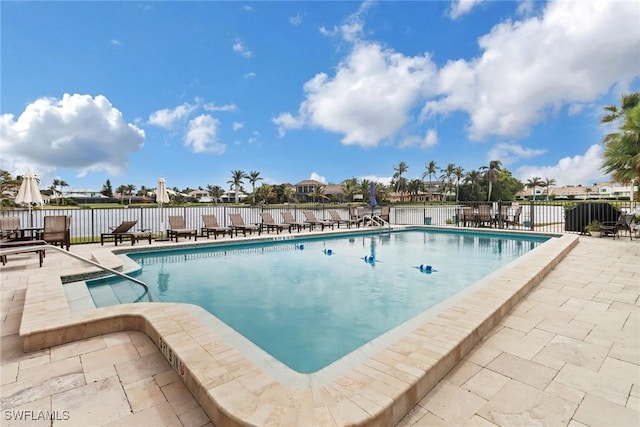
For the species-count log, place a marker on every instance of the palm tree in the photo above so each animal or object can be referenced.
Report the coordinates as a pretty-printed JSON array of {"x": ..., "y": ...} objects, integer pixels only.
[
  {"x": 121, "y": 190},
  {"x": 447, "y": 176},
  {"x": 59, "y": 183},
  {"x": 215, "y": 191},
  {"x": 548, "y": 182},
  {"x": 236, "y": 181},
  {"x": 532, "y": 183},
  {"x": 399, "y": 179},
  {"x": 254, "y": 177},
  {"x": 414, "y": 187},
  {"x": 349, "y": 188},
  {"x": 431, "y": 170},
  {"x": 130, "y": 188},
  {"x": 318, "y": 193},
  {"x": 622, "y": 154},
  {"x": 473, "y": 179},
  {"x": 265, "y": 193},
  {"x": 491, "y": 172},
  {"x": 628, "y": 102},
  {"x": 290, "y": 194},
  {"x": 459, "y": 173}
]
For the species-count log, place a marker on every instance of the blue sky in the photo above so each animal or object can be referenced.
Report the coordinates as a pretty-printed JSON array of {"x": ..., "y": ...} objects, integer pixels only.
[{"x": 131, "y": 91}]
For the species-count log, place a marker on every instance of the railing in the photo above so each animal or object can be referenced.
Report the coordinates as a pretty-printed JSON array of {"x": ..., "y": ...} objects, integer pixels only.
[
  {"x": 557, "y": 217},
  {"x": 22, "y": 249}
]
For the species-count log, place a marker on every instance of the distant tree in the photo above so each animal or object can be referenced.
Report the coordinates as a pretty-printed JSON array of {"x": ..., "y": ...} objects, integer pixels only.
[
  {"x": 548, "y": 183},
  {"x": 414, "y": 187},
  {"x": 236, "y": 181},
  {"x": 122, "y": 191},
  {"x": 7, "y": 182},
  {"x": 447, "y": 177},
  {"x": 265, "y": 193},
  {"x": 57, "y": 186},
  {"x": 215, "y": 191},
  {"x": 473, "y": 179},
  {"x": 107, "y": 189},
  {"x": 458, "y": 173},
  {"x": 431, "y": 170},
  {"x": 400, "y": 182},
  {"x": 318, "y": 193},
  {"x": 532, "y": 183},
  {"x": 290, "y": 195},
  {"x": 349, "y": 188},
  {"x": 253, "y": 177}
]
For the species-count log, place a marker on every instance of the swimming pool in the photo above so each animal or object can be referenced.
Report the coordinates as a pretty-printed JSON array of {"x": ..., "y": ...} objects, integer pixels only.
[{"x": 310, "y": 302}]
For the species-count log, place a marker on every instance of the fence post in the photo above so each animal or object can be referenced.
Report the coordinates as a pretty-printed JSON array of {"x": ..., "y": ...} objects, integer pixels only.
[{"x": 531, "y": 214}]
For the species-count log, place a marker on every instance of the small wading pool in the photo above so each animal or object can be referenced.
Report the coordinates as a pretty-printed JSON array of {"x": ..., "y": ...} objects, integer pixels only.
[{"x": 309, "y": 302}]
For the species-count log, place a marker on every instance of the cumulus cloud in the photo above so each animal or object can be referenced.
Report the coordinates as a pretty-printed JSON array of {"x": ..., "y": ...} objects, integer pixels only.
[
  {"x": 579, "y": 169},
  {"x": 369, "y": 98},
  {"x": 201, "y": 135},
  {"x": 426, "y": 141},
  {"x": 167, "y": 118},
  {"x": 511, "y": 153},
  {"x": 211, "y": 106},
  {"x": 78, "y": 132},
  {"x": 386, "y": 180},
  {"x": 531, "y": 68},
  {"x": 462, "y": 7},
  {"x": 318, "y": 177},
  {"x": 237, "y": 125}
]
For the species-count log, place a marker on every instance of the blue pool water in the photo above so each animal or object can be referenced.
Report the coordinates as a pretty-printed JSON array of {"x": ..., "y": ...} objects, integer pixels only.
[{"x": 310, "y": 302}]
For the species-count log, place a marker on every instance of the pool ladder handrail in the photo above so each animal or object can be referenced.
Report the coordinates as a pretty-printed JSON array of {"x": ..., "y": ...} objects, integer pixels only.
[{"x": 81, "y": 258}]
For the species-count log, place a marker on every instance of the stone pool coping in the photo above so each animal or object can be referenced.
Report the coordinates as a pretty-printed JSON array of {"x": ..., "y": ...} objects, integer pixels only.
[{"x": 234, "y": 391}]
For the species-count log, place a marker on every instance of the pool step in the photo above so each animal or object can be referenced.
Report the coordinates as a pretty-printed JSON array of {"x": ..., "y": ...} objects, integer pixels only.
[
  {"x": 103, "y": 295},
  {"x": 115, "y": 293}
]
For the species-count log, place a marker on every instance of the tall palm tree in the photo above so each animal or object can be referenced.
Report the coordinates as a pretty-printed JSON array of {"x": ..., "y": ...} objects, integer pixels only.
[
  {"x": 290, "y": 194},
  {"x": 254, "y": 177},
  {"x": 447, "y": 176},
  {"x": 130, "y": 188},
  {"x": 398, "y": 178},
  {"x": 459, "y": 173},
  {"x": 431, "y": 170},
  {"x": 318, "y": 193},
  {"x": 532, "y": 183},
  {"x": 236, "y": 181},
  {"x": 548, "y": 182},
  {"x": 414, "y": 187},
  {"x": 622, "y": 154},
  {"x": 492, "y": 172}
]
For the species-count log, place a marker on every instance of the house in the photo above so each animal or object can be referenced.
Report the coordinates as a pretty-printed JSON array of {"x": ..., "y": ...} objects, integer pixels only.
[{"x": 305, "y": 190}]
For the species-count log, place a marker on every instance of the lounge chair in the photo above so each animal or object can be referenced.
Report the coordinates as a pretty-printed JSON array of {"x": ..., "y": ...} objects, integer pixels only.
[
  {"x": 337, "y": 219},
  {"x": 178, "y": 227},
  {"x": 268, "y": 223},
  {"x": 211, "y": 226},
  {"x": 484, "y": 216},
  {"x": 10, "y": 227},
  {"x": 122, "y": 232},
  {"x": 289, "y": 219},
  {"x": 9, "y": 248},
  {"x": 56, "y": 230},
  {"x": 385, "y": 213},
  {"x": 612, "y": 228},
  {"x": 237, "y": 224},
  {"x": 311, "y": 219},
  {"x": 515, "y": 220}
]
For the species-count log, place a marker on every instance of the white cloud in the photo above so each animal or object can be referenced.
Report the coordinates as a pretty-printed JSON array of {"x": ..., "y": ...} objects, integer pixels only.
[
  {"x": 462, "y": 7},
  {"x": 317, "y": 177},
  {"x": 202, "y": 135},
  {"x": 386, "y": 180},
  {"x": 237, "y": 125},
  {"x": 532, "y": 67},
  {"x": 239, "y": 46},
  {"x": 211, "y": 106},
  {"x": 511, "y": 153},
  {"x": 579, "y": 169},
  {"x": 167, "y": 117},
  {"x": 296, "y": 20},
  {"x": 353, "y": 27},
  {"x": 250, "y": 75},
  {"x": 115, "y": 42},
  {"x": 426, "y": 141},
  {"x": 369, "y": 98},
  {"x": 78, "y": 132}
]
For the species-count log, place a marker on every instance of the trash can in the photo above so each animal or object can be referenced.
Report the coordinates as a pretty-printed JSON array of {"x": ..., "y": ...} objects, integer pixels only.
[{"x": 427, "y": 220}]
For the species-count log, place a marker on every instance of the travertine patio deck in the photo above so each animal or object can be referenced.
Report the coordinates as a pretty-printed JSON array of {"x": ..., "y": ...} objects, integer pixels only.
[{"x": 567, "y": 353}]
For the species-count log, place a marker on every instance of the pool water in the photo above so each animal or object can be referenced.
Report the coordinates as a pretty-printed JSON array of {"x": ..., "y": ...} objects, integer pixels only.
[{"x": 310, "y": 302}]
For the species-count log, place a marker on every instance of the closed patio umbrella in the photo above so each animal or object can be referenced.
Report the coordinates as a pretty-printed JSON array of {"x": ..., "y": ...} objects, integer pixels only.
[
  {"x": 162, "y": 197},
  {"x": 29, "y": 194},
  {"x": 372, "y": 196}
]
